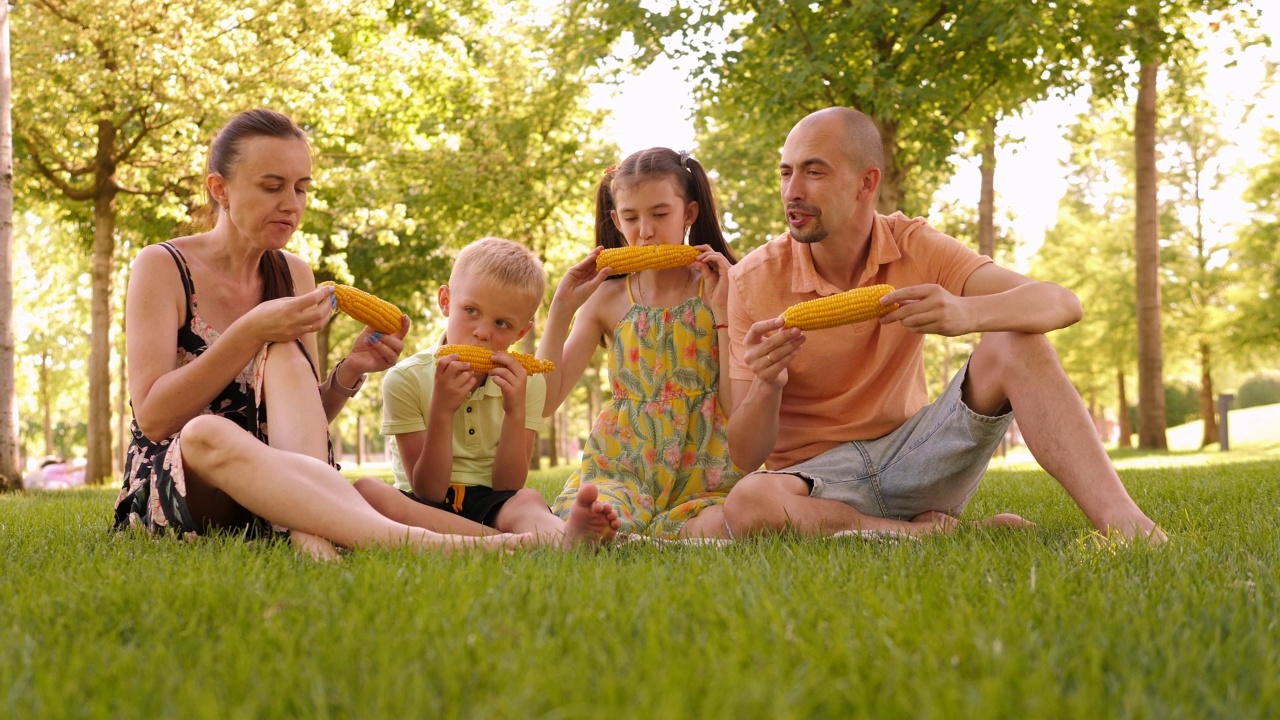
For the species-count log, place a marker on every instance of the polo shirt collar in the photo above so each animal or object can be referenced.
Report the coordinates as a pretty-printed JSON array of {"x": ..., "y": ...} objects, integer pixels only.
[{"x": 805, "y": 277}]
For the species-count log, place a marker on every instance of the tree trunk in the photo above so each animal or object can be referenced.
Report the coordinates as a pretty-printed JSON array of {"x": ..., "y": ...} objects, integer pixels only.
[
  {"x": 987, "y": 201},
  {"x": 123, "y": 414},
  {"x": 10, "y": 468},
  {"x": 1207, "y": 405},
  {"x": 1151, "y": 409},
  {"x": 360, "y": 450},
  {"x": 890, "y": 199},
  {"x": 46, "y": 403},
  {"x": 98, "y": 465},
  {"x": 1124, "y": 429}
]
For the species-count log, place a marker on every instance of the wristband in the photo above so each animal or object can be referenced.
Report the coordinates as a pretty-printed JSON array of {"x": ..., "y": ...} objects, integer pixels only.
[
  {"x": 721, "y": 326},
  {"x": 336, "y": 384}
]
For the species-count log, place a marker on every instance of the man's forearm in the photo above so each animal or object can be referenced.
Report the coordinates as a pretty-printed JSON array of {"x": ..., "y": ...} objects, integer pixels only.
[{"x": 753, "y": 426}]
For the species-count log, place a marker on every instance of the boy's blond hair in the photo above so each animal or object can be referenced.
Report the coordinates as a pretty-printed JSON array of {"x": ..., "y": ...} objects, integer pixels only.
[{"x": 506, "y": 263}]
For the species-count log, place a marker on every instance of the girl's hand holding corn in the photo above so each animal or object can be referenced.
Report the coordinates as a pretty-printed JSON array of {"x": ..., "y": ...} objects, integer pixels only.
[
  {"x": 579, "y": 283},
  {"x": 715, "y": 281}
]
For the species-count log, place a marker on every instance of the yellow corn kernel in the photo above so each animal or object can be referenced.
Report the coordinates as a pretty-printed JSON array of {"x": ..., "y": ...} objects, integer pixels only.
[
  {"x": 843, "y": 308},
  {"x": 645, "y": 257},
  {"x": 481, "y": 359},
  {"x": 368, "y": 309}
]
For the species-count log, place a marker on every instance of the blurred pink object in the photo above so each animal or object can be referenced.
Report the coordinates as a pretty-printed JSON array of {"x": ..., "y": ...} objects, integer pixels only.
[{"x": 55, "y": 476}]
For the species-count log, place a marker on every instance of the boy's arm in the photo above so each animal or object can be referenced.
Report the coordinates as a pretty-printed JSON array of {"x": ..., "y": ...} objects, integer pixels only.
[
  {"x": 430, "y": 474},
  {"x": 412, "y": 446},
  {"x": 515, "y": 446}
]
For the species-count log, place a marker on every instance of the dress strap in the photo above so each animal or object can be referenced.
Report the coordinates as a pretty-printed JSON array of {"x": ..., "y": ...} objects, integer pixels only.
[
  {"x": 184, "y": 272},
  {"x": 630, "y": 297}
]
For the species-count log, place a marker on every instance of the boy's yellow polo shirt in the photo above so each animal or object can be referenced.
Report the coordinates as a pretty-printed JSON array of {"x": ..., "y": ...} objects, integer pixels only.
[{"x": 406, "y": 402}]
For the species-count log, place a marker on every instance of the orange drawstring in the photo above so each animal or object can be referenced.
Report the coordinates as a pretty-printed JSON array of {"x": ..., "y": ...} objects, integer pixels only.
[{"x": 459, "y": 492}]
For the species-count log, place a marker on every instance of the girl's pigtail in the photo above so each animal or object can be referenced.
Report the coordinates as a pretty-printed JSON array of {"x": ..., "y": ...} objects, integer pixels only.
[
  {"x": 706, "y": 228},
  {"x": 607, "y": 234}
]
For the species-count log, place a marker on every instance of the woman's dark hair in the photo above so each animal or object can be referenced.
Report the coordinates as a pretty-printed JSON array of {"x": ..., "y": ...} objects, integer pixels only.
[
  {"x": 655, "y": 164},
  {"x": 224, "y": 154}
]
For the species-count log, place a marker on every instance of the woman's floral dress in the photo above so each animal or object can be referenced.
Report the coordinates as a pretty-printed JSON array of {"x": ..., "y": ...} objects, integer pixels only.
[
  {"x": 154, "y": 492},
  {"x": 658, "y": 451}
]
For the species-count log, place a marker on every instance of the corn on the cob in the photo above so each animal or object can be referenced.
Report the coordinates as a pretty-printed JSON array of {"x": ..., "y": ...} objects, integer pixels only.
[
  {"x": 850, "y": 306},
  {"x": 481, "y": 359},
  {"x": 645, "y": 257},
  {"x": 368, "y": 309}
]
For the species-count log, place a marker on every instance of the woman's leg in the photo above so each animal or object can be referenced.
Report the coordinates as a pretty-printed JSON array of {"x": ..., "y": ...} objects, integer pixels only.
[
  {"x": 297, "y": 423},
  {"x": 300, "y": 492}
]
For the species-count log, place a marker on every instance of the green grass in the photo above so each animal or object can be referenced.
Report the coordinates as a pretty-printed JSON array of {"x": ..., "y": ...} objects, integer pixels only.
[{"x": 1034, "y": 624}]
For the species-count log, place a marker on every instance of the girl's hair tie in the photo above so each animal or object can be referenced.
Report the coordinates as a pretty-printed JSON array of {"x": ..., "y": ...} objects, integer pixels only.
[{"x": 684, "y": 160}]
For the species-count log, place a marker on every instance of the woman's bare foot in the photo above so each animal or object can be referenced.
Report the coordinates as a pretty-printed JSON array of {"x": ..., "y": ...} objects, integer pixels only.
[
  {"x": 314, "y": 546},
  {"x": 590, "y": 522}
]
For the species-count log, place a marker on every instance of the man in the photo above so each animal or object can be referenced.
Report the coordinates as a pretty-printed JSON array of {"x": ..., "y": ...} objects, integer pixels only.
[{"x": 839, "y": 417}]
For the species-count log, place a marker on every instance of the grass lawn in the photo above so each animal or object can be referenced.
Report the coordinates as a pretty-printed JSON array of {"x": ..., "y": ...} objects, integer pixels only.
[{"x": 1045, "y": 623}]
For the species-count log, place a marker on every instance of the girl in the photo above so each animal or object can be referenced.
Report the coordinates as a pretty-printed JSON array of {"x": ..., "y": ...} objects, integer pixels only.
[
  {"x": 207, "y": 378},
  {"x": 657, "y": 452}
]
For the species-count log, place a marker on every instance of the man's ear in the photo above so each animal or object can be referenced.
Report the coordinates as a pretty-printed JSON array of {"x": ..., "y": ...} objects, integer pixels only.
[
  {"x": 442, "y": 299},
  {"x": 870, "y": 185}
]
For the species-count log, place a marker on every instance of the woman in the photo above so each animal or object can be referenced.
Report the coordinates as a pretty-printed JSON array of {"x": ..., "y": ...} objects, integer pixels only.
[{"x": 242, "y": 315}]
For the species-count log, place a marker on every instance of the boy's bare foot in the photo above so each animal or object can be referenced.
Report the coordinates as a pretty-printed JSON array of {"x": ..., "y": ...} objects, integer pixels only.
[{"x": 590, "y": 522}]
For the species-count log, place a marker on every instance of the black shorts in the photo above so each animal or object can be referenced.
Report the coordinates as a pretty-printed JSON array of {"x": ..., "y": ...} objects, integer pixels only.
[{"x": 476, "y": 503}]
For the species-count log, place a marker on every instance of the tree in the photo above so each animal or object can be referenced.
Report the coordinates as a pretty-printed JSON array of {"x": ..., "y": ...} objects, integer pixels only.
[
  {"x": 925, "y": 72},
  {"x": 118, "y": 103},
  {"x": 1151, "y": 34},
  {"x": 1257, "y": 257},
  {"x": 10, "y": 471}
]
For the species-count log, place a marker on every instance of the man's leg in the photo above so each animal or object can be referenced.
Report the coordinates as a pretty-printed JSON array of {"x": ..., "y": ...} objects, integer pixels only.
[
  {"x": 763, "y": 503},
  {"x": 1024, "y": 371}
]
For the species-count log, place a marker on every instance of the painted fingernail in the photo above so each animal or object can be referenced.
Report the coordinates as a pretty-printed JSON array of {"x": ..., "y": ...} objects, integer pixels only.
[
  {"x": 333, "y": 302},
  {"x": 375, "y": 337}
]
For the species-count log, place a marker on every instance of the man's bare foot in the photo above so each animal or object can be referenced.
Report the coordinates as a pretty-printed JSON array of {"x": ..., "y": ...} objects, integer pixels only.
[
  {"x": 932, "y": 521},
  {"x": 314, "y": 547},
  {"x": 1138, "y": 531},
  {"x": 590, "y": 522}
]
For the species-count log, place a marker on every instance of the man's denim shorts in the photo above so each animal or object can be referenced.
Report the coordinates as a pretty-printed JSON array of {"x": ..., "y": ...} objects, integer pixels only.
[{"x": 932, "y": 462}]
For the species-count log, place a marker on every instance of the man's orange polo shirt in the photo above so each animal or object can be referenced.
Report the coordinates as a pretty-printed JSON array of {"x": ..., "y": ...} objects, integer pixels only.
[{"x": 853, "y": 382}]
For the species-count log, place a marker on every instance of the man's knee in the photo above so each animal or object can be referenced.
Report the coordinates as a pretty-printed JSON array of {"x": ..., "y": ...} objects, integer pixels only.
[
  {"x": 755, "y": 504},
  {"x": 1011, "y": 351}
]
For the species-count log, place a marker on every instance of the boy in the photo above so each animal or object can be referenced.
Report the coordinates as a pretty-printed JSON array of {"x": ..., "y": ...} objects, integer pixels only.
[{"x": 463, "y": 440}]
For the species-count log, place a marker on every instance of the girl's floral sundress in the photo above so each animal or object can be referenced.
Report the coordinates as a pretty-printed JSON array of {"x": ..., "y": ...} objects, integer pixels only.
[{"x": 657, "y": 451}]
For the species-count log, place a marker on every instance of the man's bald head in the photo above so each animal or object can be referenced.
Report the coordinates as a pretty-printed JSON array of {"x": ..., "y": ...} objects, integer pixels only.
[{"x": 861, "y": 138}]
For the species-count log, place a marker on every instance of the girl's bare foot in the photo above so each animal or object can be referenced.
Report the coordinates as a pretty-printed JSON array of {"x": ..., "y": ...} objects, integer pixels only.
[{"x": 590, "y": 522}]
